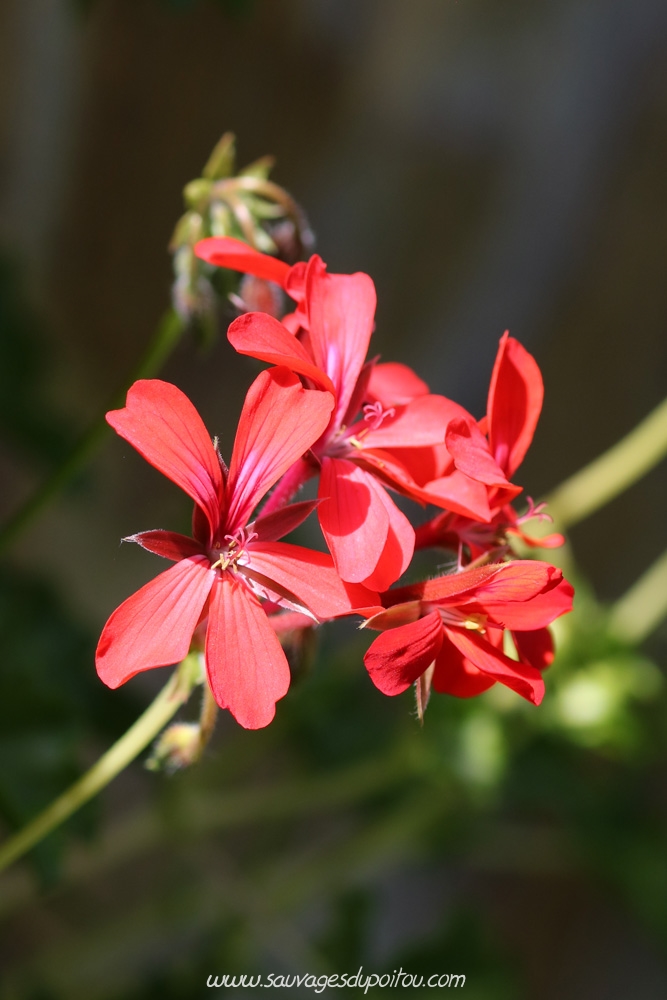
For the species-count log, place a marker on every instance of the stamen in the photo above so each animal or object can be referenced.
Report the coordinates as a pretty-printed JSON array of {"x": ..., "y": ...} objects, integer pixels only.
[
  {"x": 375, "y": 414},
  {"x": 234, "y": 553},
  {"x": 453, "y": 616},
  {"x": 535, "y": 511}
]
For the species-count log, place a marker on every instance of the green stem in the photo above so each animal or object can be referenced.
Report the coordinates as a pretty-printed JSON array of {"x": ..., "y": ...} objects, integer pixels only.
[
  {"x": 613, "y": 472},
  {"x": 208, "y": 717},
  {"x": 166, "y": 337},
  {"x": 116, "y": 759},
  {"x": 643, "y": 607}
]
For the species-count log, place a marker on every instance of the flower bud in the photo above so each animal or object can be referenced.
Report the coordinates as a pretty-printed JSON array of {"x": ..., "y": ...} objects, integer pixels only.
[{"x": 179, "y": 746}]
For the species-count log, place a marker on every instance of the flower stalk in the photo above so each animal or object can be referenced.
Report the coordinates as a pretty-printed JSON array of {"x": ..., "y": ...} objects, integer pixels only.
[
  {"x": 641, "y": 609},
  {"x": 174, "y": 694},
  {"x": 613, "y": 472}
]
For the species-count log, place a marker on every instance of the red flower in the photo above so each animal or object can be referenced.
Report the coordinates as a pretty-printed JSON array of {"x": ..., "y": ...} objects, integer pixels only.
[
  {"x": 492, "y": 450},
  {"x": 370, "y": 539},
  {"x": 229, "y": 565},
  {"x": 452, "y": 628}
]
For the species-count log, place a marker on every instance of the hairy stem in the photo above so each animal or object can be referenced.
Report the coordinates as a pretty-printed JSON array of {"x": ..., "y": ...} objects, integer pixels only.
[
  {"x": 613, "y": 472},
  {"x": 166, "y": 337},
  {"x": 115, "y": 760}
]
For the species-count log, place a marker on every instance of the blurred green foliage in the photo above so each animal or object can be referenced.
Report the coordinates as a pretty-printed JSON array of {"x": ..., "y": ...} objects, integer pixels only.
[
  {"x": 52, "y": 707},
  {"x": 279, "y": 852}
]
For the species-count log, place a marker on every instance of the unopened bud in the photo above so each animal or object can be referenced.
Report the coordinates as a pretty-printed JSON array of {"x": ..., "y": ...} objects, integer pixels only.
[
  {"x": 197, "y": 193},
  {"x": 179, "y": 746},
  {"x": 221, "y": 161},
  {"x": 258, "y": 295}
]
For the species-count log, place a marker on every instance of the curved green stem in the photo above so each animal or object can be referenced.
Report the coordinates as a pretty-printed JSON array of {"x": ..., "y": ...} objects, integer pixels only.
[
  {"x": 166, "y": 337},
  {"x": 208, "y": 717},
  {"x": 613, "y": 472},
  {"x": 116, "y": 759},
  {"x": 641, "y": 609}
]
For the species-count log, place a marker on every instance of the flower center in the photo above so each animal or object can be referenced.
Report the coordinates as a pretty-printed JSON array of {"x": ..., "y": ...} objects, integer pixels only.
[
  {"x": 342, "y": 441},
  {"x": 454, "y": 616},
  {"x": 233, "y": 552}
]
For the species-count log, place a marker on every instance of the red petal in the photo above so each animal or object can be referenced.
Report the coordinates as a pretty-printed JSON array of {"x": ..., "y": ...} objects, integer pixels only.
[
  {"x": 520, "y": 677},
  {"x": 397, "y": 658},
  {"x": 459, "y": 494},
  {"x": 168, "y": 544},
  {"x": 531, "y": 612},
  {"x": 515, "y": 401},
  {"x": 281, "y": 522},
  {"x": 261, "y": 336},
  {"x": 295, "y": 283},
  {"x": 423, "y": 464},
  {"x": 312, "y": 578},
  {"x": 411, "y": 472},
  {"x": 536, "y": 612},
  {"x": 444, "y": 588},
  {"x": 341, "y": 310},
  {"x": 398, "y": 549},
  {"x": 536, "y": 648},
  {"x": 395, "y": 616},
  {"x": 224, "y": 251},
  {"x": 153, "y": 628},
  {"x": 246, "y": 666},
  {"x": 279, "y": 422},
  {"x": 454, "y": 674},
  {"x": 470, "y": 451},
  {"x": 393, "y": 384},
  {"x": 518, "y": 580},
  {"x": 353, "y": 518},
  {"x": 163, "y": 425},
  {"x": 417, "y": 424}
]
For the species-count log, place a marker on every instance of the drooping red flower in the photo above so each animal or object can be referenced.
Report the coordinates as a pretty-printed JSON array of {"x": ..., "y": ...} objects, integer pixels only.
[
  {"x": 326, "y": 341},
  {"x": 231, "y": 563},
  {"x": 452, "y": 627}
]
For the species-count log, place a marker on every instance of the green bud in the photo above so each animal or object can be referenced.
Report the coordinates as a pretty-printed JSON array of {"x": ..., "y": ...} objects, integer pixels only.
[
  {"x": 179, "y": 746},
  {"x": 221, "y": 222},
  {"x": 197, "y": 193},
  {"x": 189, "y": 229},
  {"x": 259, "y": 168},
  {"x": 221, "y": 161}
]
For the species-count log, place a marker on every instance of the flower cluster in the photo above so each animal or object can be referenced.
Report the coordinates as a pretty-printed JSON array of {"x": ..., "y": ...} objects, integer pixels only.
[{"x": 369, "y": 431}]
